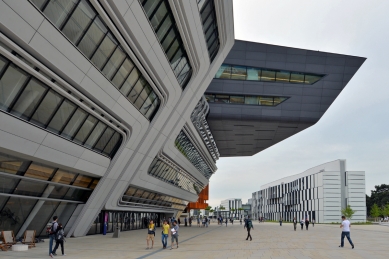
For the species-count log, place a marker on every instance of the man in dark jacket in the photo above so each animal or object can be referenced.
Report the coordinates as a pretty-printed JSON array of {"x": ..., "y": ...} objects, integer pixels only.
[{"x": 249, "y": 225}]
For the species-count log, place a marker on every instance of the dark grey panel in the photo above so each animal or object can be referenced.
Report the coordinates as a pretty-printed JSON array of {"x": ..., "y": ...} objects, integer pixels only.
[{"x": 244, "y": 130}]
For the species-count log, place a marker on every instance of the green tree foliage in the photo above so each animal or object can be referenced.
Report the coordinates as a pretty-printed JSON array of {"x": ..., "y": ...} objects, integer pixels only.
[
  {"x": 375, "y": 211},
  {"x": 379, "y": 196},
  {"x": 348, "y": 212},
  {"x": 222, "y": 207},
  {"x": 208, "y": 208},
  {"x": 385, "y": 210}
]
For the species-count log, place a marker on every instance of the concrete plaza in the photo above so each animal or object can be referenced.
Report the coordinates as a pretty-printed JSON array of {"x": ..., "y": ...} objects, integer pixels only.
[{"x": 269, "y": 241}]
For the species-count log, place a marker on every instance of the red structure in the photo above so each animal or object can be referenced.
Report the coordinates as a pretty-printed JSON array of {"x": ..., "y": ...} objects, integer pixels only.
[{"x": 201, "y": 202}]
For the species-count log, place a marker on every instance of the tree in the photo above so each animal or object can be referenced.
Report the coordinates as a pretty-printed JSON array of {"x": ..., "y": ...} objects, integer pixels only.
[
  {"x": 385, "y": 210},
  {"x": 232, "y": 210},
  {"x": 348, "y": 212},
  {"x": 222, "y": 207},
  {"x": 379, "y": 196},
  {"x": 240, "y": 210},
  {"x": 375, "y": 211}
]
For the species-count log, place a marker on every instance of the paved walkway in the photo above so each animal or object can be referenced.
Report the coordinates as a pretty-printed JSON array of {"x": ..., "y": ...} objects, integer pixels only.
[{"x": 269, "y": 241}]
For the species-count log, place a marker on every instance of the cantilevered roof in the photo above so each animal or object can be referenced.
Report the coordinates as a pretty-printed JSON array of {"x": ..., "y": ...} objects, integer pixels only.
[{"x": 249, "y": 113}]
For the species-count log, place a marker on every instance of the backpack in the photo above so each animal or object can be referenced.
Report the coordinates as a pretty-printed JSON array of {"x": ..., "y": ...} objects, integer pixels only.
[
  {"x": 50, "y": 228},
  {"x": 249, "y": 224},
  {"x": 59, "y": 235}
]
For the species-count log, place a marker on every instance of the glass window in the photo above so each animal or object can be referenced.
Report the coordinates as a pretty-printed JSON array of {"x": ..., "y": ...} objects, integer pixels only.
[
  {"x": 112, "y": 144},
  {"x": 158, "y": 16},
  {"x": 30, "y": 188},
  {"x": 77, "y": 195},
  {"x": 224, "y": 72},
  {"x": 222, "y": 98},
  {"x": 131, "y": 80},
  {"x": 142, "y": 96},
  {"x": 297, "y": 78},
  {"x": 3, "y": 62},
  {"x": 238, "y": 72},
  {"x": 43, "y": 216},
  {"x": 100, "y": 145},
  {"x": 173, "y": 50},
  {"x": 39, "y": 3},
  {"x": 278, "y": 100},
  {"x": 61, "y": 116},
  {"x": 64, "y": 177},
  {"x": 10, "y": 85},
  {"x": 9, "y": 164},
  {"x": 148, "y": 103},
  {"x": 122, "y": 73},
  {"x": 149, "y": 6},
  {"x": 29, "y": 99},
  {"x": 74, "y": 123},
  {"x": 282, "y": 76},
  {"x": 7, "y": 185},
  {"x": 311, "y": 79},
  {"x": 19, "y": 209},
  {"x": 39, "y": 171},
  {"x": 104, "y": 51},
  {"x": 236, "y": 99},
  {"x": 58, "y": 11},
  {"x": 58, "y": 191},
  {"x": 95, "y": 135},
  {"x": 268, "y": 75},
  {"x": 164, "y": 28},
  {"x": 46, "y": 108},
  {"x": 133, "y": 95},
  {"x": 267, "y": 101},
  {"x": 114, "y": 62},
  {"x": 82, "y": 181},
  {"x": 85, "y": 129},
  {"x": 251, "y": 100},
  {"x": 79, "y": 21},
  {"x": 168, "y": 39},
  {"x": 210, "y": 98},
  {"x": 94, "y": 184},
  {"x": 152, "y": 109},
  {"x": 92, "y": 38},
  {"x": 131, "y": 191}
]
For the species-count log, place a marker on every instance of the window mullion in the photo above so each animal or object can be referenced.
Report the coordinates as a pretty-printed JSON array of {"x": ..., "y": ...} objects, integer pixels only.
[
  {"x": 86, "y": 30},
  {"x": 5, "y": 69},
  {"x": 117, "y": 70},
  {"x": 97, "y": 140},
  {"x": 55, "y": 111},
  {"x": 93, "y": 128},
  {"x": 19, "y": 93},
  {"x": 106, "y": 62},
  {"x": 38, "y": 103},
  {"x": 68, "y": 119},
  {"x": 69, "y": 15},
  {"x": 98, "y": 46}
]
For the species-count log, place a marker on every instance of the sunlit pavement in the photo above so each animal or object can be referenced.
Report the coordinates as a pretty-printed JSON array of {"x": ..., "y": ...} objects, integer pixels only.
[{"x": 269, "y": 241}]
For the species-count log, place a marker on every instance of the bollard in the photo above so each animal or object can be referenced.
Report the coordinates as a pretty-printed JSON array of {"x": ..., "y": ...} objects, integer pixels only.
[{"x": 116, "y": 233}]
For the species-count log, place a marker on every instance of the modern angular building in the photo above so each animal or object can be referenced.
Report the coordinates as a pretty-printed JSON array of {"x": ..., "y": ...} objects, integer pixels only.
[
  {"x": 103, "y": 117},
  {"x": 319, "y": 193}
]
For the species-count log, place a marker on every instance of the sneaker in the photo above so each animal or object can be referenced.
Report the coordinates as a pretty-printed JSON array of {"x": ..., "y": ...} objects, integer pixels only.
[
  {"x": 51, "y": 255},
  {"x": 63, "y": 254},
  {"x": 54, "y": 254},
  {"x": 353, "y": 247}
]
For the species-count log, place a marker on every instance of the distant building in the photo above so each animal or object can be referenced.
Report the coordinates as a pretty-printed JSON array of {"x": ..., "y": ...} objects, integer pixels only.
[
  {"x": 229, "y": 204},
  {"x": 318, "y": 193}
]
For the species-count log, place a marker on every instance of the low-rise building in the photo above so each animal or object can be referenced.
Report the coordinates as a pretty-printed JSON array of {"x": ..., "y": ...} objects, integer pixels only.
[{"x": 318, "y": 194}]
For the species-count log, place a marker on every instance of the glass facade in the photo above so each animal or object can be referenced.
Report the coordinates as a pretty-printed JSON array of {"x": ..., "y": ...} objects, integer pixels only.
[
  {"x": 164, "y": 25},
  {"x": 246, "y": 100},
  {"x": 208, "y": 18},
  {"x": 146, "y": 198},
  {"x": 85, "y": 29},
  {"x": 177, "y": 177},
  {"x": 26, "y": 97},
  {"x": 227, "y": 71},
  {"x": 26, "y": 185},
  {"x": 187, "y": 148}
]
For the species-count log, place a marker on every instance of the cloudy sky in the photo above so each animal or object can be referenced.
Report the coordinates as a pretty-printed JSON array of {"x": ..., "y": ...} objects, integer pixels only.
[{"x": 355, "y": 127}]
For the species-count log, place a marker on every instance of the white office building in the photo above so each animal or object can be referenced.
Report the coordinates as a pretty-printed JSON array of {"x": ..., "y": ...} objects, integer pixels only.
[{"x": 318, "y": 193}]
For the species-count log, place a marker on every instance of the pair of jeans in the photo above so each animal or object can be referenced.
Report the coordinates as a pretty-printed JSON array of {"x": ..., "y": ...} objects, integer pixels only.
[
  {"x": 52, "y": 237},
  {"x": 164, "y": 239},
  {"x": 346, "y": 234},
  {"x": 58, "y": 242}
]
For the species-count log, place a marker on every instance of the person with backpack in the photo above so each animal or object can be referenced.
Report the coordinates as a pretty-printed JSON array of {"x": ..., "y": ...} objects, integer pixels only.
[
  {"x": 302, "y": 224},
  {"x": 174, "y": 234},
  {"x": 249, "y": 226},
  {"x": 150, "y": 234},
  {"x": 306, "y": 223},
  {"x": 51, "y": 231},
  {"x": 59, "y": 239}
]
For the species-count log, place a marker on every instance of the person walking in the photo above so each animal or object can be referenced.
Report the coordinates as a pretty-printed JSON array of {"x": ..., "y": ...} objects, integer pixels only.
[
  {"x": 302, "y": 224},
  {"x": 226, "y": 221},
  {"x": 52, "y": 231},
  {"x": 179, "y": 222},
  {"x": 241, "y": 221},
  {"x": 306, "y": 223},
  {"x": 313, "y": 222},
  {"x": 249, "y": 226},
  {"x": 165, "y": 233},
  {"x": 280, "y": 221},
  {"x": 294, "y": 223},
  {"x": 198, "y": 221},
  {"x": 186, "y": 221},
  {"x": 59, "y": 239},
  {"x": 150, "y": 234},
  {"x": 190, "y": 221},
  {"x": 345, "y": 232},
  {"x": 174, "y": 233},
  {"x": 206, "y": 222}
]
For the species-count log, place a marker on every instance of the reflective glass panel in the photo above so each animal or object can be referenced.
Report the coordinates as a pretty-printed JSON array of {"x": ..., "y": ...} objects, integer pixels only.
[
  {"x": 113, "y": 63},
  {"x": 39, "y": 3},
  {"x": 129, "y": 83},
  {"x": 94, "y": 184},
  {"x": 122, "y": 73},
  {"x": 7, "y": 184},
  {"x": 253, "y": 73},
  {"x": 238, "y": 72},
  {"x": 237, "y": 99},
  {"x": 104, "y": 51},
  {"x": 282, "y": 76},
  {"x": 267, "y": 101},
  {"x": 161, "y": 12},
  {"x": 64, "y": 177},
  {"x": 58, "y": 11},
  {"x": 46, "y": 108},
  {"x": 268, "y": 75},
  {"x": 77, "y": 195},
  {"x": 85, "y": 129},
  {"x": 278, "y": 100},
  {"x": 137, "y": 89},
  {"x": 3, "y": 61},
  {"x": 100, "y": 145},
  {"x": 166, "y": 25},
  {"x": 92, "y": 38},
  {"x": 61, "y": 116},
  {"x": 95, "y": 135},
  {"x": 58, "y": 191},
  {"x": 9, "y": 164},
  {"x": 79, "y": 21},
  {"x": 43, "y": 216},
  {"x": 297, "y": 78},
  {"x": 29, "y": 99},
  {"x": 222, "y": 98},
  {"x": 30, "y": 188},
  {"x": 16, "y": 211},
  {"x": 210, "y": 98},
  {"x": 142, "y": 96},
  {"x": 251, "y": 100},
  {"x": 74, "y": 123},
  {"x": 112, "y": 144},
  {"x": 10, "y": 85},
  {"x": 311, "y": 79},
  {"x": 224, "y": 72},
  {"x": 39, "y": 171},
  {"x": 82, "y": 181}
]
